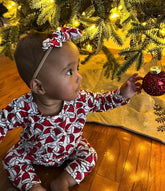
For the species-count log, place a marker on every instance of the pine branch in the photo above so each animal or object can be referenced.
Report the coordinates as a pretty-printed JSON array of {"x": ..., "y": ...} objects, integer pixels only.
[
  {"x": 137, "y": 29},
  {"x": 155, "y": 38},
  {"x": 111, "y": 66},
  {"x": 100, "y": 9},
  {"x": 127, "y": 51},
  {"x": 89, "y": 11},
  {"x": 136, "y": 1},
  {"x": 157, "y": 52},
  {"x": 99, "y": 39},
  {"x": 139, "y": 61},
  {"x": 87, "y": 21},
  {"x": 106, "y": 30},
  {"x": 128, "y": 64},
  {"x": 114, "y": 34},
  {"x": 86, "y": 59}
]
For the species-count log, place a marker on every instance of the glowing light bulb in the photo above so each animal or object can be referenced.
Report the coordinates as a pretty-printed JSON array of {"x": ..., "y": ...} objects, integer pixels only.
[
  {"x": 83, "y": 13},
  {"x": 11, "y": 5},
  {"x": 76, "y": 23},
  {"x": 92, "y": 27},
  {"x": 50, "y": 1},
  {"x": 114, "y": 15},
  {"x": 89, "y": 47},
  {"x": 162, "y": 32},
  {"x": 120, "y": 7},
  {"x": 144, "y": 23}
]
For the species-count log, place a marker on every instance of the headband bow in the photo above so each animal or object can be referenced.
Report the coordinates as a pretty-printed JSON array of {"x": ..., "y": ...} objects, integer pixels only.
[
  {"x": 61, "y": 36},
  {"x": 56, "y": 40}
]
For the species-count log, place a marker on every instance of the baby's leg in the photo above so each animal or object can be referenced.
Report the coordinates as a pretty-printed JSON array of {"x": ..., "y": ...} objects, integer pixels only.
[
  {"x": 19, "y": 170},
  {"x": 85, "y": 158},
  {"x": 84, "y": 161}
]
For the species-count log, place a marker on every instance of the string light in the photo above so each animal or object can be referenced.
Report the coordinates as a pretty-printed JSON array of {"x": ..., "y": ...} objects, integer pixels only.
[
  {"x": 50, "y": 1},
  {"x": 92, "y": 27},
  {"x": 120, "y": 7},
  {"x": 76, "y": 23},
  {"x": 162, "y": 33},
  {"x": 114, "y": 15},
  {"x": 144, "y": 23},
  {"x": 83, "y": 13},
  {"x": 11, "y": 5},
  {"x": 89, "y": 47}
]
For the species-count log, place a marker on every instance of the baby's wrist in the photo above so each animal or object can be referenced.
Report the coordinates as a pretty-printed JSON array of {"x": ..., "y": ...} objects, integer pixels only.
[{"x": 124, "y": 98}]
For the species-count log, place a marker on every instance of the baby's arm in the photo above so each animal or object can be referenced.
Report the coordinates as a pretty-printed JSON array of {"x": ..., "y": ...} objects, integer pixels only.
[
  {"x": 8, "y": 120},
  {"x": 99, "y": 102}
]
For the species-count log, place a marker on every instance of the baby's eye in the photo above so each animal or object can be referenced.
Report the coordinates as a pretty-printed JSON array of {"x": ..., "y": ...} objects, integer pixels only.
[{"x": 69, "y": 72}]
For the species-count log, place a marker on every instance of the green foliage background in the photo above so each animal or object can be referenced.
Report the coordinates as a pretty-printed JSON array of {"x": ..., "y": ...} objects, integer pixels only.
[{"x": 141, "y": 21}]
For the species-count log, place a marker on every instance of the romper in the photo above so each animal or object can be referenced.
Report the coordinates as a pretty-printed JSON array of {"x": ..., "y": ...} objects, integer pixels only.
[{"x": 50, "y": 140}]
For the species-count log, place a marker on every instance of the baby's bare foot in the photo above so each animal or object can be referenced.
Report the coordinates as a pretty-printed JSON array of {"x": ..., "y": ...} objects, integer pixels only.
[
  {"x": 63, "y": 182},
  {"x": 59, "y": 185},
  {"x": 37, "y": 187}
]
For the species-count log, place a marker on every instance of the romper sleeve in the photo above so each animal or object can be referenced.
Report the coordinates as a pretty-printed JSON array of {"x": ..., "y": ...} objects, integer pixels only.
[
  {"x": 9, "y": 119},
  {"x": 100, "y": 102}
]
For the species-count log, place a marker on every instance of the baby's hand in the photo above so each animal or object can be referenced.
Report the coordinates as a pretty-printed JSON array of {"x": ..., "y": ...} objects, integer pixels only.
[
  {"x": 37, "y": 187},
  {"x": 131, "y": 86}
]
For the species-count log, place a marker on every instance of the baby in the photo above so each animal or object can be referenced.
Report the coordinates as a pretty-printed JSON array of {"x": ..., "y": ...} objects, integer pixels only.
[{"x": 53, "y": 114}]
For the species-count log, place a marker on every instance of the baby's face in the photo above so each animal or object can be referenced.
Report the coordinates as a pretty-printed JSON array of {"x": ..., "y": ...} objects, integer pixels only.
[{"x": 60, "y": 75}]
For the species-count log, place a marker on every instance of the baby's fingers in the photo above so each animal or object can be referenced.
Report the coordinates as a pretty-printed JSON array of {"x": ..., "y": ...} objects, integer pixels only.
[
  {"x": 138, "y": 87},
  {"x": 135, "y": 78}
]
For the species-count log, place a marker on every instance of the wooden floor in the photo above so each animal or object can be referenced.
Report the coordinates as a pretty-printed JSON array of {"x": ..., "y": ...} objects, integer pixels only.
[{"x": 126, "y": 161}]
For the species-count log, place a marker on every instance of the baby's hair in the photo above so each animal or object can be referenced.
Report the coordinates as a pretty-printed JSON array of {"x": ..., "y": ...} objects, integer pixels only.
[{"x": 28, "y": 54}]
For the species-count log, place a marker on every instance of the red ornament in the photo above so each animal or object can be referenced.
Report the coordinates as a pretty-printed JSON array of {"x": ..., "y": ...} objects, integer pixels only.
[{"x": 154, "y": 82}]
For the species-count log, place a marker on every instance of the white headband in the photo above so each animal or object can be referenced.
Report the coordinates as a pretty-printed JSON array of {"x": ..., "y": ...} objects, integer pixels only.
[{"x": 56, "y": 40}]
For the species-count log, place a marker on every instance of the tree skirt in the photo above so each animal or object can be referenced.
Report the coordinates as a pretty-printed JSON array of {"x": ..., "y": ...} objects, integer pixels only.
[{"x": 138, "y": 115}]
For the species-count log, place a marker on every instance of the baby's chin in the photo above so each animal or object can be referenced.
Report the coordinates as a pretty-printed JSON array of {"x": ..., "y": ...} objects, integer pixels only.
[{"x": 73, "y": 97}]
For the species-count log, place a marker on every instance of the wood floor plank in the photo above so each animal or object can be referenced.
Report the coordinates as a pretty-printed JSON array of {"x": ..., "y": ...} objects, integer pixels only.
[
  {"x": 103, "y": 184},
  {"x": 98, "y": 136},
  {"x": 157, "y": 170},
  {"x": 136, "y": 170},
  {"x": 115, "y": 155}
]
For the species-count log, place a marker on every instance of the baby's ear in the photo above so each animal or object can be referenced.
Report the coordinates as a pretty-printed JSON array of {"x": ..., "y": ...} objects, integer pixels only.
[{"x": 37, "y": 87}]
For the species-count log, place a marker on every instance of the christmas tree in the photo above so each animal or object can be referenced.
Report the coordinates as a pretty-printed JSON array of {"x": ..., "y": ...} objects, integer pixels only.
[{"x": 142, "y": 22}]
